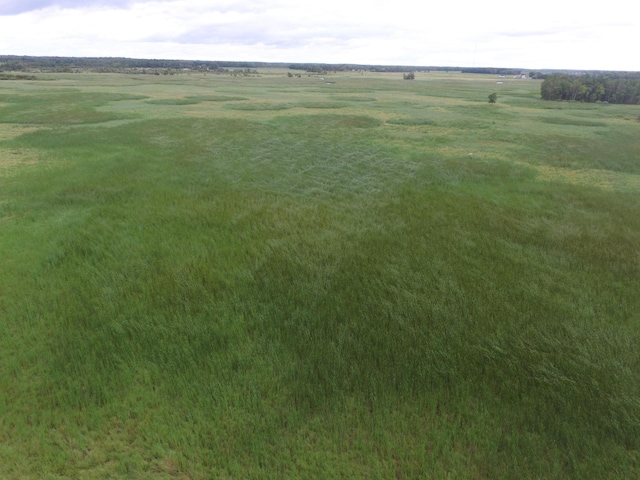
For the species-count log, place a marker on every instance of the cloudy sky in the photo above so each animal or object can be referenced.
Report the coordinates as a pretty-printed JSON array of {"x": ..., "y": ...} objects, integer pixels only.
[{"x": 491, "y": 33}]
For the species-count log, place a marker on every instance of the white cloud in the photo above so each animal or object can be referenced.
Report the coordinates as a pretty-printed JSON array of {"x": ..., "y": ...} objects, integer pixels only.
[
  {"x": 549, "y": 34},
  {"x": 13, "y": 7}
]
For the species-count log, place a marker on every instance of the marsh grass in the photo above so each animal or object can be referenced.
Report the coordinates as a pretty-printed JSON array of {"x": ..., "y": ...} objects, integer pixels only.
[{"x": 415, "y": 286}]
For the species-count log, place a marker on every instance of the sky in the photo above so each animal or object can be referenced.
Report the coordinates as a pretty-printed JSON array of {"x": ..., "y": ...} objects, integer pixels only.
[{"x": 541, "y": 34}]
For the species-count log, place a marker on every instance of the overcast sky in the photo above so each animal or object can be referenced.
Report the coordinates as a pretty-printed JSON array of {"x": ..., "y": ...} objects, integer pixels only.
[{"x": 558, "y": 34}]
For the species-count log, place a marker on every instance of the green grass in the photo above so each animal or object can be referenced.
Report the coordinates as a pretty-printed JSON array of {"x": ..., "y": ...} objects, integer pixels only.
[
  {"x": 272, "y": 277},
  {"x": 58, "y": 108}
]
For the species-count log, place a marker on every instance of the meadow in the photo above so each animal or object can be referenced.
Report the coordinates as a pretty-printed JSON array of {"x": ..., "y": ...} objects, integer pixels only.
[{"x": 340, "y": 276}]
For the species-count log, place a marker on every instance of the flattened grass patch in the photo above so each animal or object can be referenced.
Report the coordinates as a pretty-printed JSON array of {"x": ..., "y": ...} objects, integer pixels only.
[
  {"x": 258, "y": 106},
  {"x": 411, "y": 122},
  {"x": 357, "y": 98},
  {"x": 577, "y": 122},
  {"x": 335, "y": 121},
  {"x": 219, "y": 98},
  {"x": 194, "y": 100},
  {"x": 173, "y": 101},
  {"x": 325, "y": 104}
]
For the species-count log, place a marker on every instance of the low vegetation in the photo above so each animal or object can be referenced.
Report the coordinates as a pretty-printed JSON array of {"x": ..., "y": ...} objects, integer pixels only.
[{"x": 347, "y": 276}]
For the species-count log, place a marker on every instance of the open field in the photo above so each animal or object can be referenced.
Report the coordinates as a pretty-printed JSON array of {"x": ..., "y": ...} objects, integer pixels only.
[{"x": 347, "y": 276}]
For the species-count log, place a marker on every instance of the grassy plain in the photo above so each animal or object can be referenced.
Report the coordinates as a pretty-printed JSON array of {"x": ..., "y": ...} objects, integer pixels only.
[{"x": 353, "y": 276}]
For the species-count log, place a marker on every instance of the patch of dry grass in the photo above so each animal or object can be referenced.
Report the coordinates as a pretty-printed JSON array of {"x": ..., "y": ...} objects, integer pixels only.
[
  {"x": 9, "y": 131},
  {"x": 12, "y": 159},
  {"x": 589, "y": 177}
]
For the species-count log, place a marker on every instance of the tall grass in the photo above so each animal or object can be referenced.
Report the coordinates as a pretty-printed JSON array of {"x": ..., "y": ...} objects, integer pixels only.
[{"x": 374, "y": 282}]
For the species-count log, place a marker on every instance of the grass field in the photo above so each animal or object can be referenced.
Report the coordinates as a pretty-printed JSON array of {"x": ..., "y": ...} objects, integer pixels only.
[{"x": 353, "y": 276}]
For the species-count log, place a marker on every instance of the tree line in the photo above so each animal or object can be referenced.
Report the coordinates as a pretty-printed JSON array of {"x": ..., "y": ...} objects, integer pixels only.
[
  {"x": 15, "y": 63},
  {"x": 98, "y": 64},
  {"x": 623, "y": 88}
]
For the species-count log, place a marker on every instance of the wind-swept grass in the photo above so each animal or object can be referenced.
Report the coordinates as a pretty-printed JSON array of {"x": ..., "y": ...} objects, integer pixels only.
[{"x": 411, "y": 285}]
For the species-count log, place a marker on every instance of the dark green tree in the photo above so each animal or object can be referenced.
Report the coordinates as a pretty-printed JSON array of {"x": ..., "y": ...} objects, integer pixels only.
[
  {"x": 493, "y": 97},
  {"x": 612, "y": 87}
]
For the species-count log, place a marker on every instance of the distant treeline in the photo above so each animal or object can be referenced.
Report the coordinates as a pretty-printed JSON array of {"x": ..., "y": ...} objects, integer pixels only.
[
  {"x": 350, "y": 67},
  {"x": 107, "y": 64},
  {"x": 607, "y": 87},
  {"x": 31, "y": 64},
  {"x": 13, "y": 63},
  {"x": 70, "y": 64},
  {"x": 498, "y": 71}
]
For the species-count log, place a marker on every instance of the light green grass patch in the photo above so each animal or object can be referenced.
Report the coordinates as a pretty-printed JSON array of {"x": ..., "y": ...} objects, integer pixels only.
[
  {"x": 12, "y": 159},
  {"x": 604, "y": 179}
]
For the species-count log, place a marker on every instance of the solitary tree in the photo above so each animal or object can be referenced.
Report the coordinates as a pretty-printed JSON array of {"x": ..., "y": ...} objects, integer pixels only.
[
  {"x": 493, "y": 97},
  {"x": 409, "y": 76}
]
